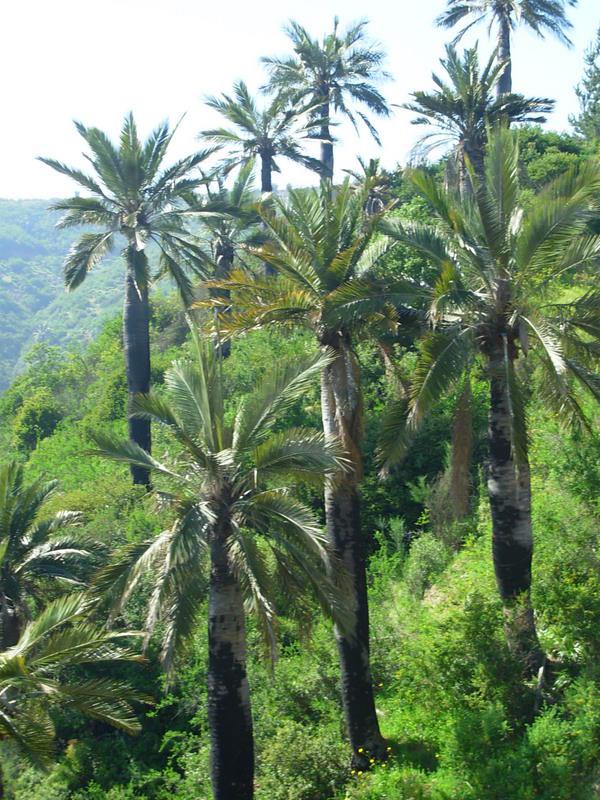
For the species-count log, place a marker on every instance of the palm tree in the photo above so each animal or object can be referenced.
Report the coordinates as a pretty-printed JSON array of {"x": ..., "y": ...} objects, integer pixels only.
[
  {"x": 375, "y": 182},
  {"x": 233, "y": 512},
  {"x": 329, "y": 76},
  {"x": 326, "y": 254},
  {"x": 493, "y": 301},
  {"x": 462, "y": 110},
  {"x": 229, "y": 223},
  {"x": 132, "y": 195},
  {"x": 540, "y": 16},
  {"x": 37, "y": 676},
  {"x": 35, "y": 548},
  {"x": 268, "y": 134}
]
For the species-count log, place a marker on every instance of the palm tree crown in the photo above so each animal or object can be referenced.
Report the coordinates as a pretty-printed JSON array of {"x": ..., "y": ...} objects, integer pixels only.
[
  {"x": 540, "y": 16},
  {"x": 267, "y": 134},
  {"x": 133, "y": 194},
  {"x": 330, "y": 76},
  {"x": 34, "y": 548},
  {"x": 462, "y": 110}
]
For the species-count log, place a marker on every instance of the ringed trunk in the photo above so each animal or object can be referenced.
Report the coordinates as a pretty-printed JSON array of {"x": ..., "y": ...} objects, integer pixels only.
[
  {"x": 510, "y": 503},
  {"x": 229, "y": 713},
  {"x": 136, "y": 347},
  {"x": 341, "y": 412}
]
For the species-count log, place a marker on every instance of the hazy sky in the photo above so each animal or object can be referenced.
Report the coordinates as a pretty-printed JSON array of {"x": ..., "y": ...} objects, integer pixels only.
[{"x": 94, "y": 60}]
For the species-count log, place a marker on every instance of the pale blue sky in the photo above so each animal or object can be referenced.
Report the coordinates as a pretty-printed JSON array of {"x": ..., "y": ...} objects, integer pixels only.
[{"x": 96, "y": 59}]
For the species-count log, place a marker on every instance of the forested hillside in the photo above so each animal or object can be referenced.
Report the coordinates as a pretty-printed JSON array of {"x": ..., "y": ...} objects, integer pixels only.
[
  {"x": 34, "y": 306},
  {"x": 321, "y": 520}
]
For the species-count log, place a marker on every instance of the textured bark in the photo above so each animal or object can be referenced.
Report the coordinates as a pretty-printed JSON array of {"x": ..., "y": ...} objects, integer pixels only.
[
  {"x": 326, "y": 143},
  {"x": 342, "y": 412},
  {"x": 136, "y": 346},
  {"x": 229, "y": 713},
  {"x": 266, "y": 187},
  {"x": 504, "y": 54},
  {"x": 510, "y": 502}
]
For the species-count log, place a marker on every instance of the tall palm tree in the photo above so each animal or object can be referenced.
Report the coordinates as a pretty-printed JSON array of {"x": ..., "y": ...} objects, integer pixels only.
[
  {"x": 326, "y": 254},
  {"x": 233, "y": 513},
  {"x": 331, "y": 76},
  {"x": 267, "y": 134},
  {"x": 40, "y": 673},
  {"x": 133, "y": 196},
  {"x": 34, "y": 548},
  {"x": 495, "y": 301},
  {"x": 540, "y": 16},
  {"x": 462, "y": 109}
]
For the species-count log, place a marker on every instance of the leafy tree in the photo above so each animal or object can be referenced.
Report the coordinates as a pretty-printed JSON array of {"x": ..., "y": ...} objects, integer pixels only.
[
  {"x": 492, "y": 302},
  {"x": 587, "y": 122},
  {"x": 462, "y": 110},
  {"x": 34, "y": 548},
  {"x": 133, "y": 195},
  {"x": 37, "y": 417},
  {"x": 233, "y": 510},
  {"x": 268, "y": 134},
  {"x": 330, "y": 76},
  {"x": 37, "y": 676},
  {"x": 327, "y": 254},
  {"x": 540, "y": 16}
]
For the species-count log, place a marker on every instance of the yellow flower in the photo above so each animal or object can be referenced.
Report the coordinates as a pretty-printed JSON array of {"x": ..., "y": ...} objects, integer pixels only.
[
  {"x": 360, "y": 750},
  {"x": 371, "y": 761}
]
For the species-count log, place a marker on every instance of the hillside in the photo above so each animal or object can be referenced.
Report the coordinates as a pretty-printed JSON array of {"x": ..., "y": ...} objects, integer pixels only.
[{"x": 33, "y": 304}]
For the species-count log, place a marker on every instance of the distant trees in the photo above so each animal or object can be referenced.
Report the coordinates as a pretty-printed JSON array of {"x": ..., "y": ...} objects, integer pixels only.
[
  {"x": 133, "y": 195},
  {"x": 331, "y": 76},
  {"x": 462, "y": 110},
  {"x": 540, "y": 16},
  {"x": 497, "y": 263},
  {"x": 235, "y": 517},
  {"x": 587, "y": 122}
]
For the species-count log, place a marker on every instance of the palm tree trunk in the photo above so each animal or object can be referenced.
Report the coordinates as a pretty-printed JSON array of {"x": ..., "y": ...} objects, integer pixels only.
[
  {"x": 326, "y": 141},
  {"x": 229, "y": 713},
  {"x": 224, "y": 261},
  {"x": 342, "y": 412},
  {"x": 504, "y": 54},
  {"x": 266, "y": 187},
  {"x": 11, "y": 624},
  {"x": 510, "y": 503},
  {"x": 136, "y": 346}
]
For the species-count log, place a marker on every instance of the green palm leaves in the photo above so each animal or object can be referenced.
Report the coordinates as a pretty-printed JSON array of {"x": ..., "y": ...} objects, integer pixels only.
[
  {"x": 133, "y": 194},
  {"x": 36, "y": 676},
  {"x": 34, "y": 548},
  {"x": 274, "y": 132},
  {"x": 232, "y": 474},
  {"x": 338, "y": 74},
  {"x": 498, "y": 262},
  {"x": 461, "y": 110}
]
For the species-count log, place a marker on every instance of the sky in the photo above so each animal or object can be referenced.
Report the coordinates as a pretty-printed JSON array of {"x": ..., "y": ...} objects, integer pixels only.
[{"x": 94, "y": 60}]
